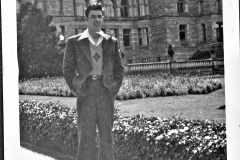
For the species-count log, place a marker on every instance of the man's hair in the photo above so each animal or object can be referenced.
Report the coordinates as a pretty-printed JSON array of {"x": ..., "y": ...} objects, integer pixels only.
[{"x": 94, "y": 6}]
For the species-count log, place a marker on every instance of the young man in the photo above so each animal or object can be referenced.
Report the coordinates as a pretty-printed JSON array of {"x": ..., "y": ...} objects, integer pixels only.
[{"x": 93, "y": 69}]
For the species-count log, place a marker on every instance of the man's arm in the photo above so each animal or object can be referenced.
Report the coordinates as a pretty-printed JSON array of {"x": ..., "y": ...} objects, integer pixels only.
[
  {"x": 118, "y": 69},
  {"x": 69, "y": 63}
]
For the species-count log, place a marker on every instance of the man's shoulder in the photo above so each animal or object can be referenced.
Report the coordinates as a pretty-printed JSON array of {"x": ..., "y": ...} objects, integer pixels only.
[
  {"x": 75, "y": 36},
  {"x": 113, "y": 39}
]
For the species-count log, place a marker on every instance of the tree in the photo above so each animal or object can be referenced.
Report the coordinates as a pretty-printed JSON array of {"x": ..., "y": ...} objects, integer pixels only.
[{"x": 38, "y": 53}]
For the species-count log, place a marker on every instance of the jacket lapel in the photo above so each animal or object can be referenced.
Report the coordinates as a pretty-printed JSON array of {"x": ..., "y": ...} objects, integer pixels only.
[
  {"x": 85, "y": 47},
  {"x": 106, "y": 53}
]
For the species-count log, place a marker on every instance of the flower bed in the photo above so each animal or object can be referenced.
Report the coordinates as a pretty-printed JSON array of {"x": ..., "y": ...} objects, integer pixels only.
[
  {"x": 136, "y": 137},
  {"x": 132, "y": 86}
]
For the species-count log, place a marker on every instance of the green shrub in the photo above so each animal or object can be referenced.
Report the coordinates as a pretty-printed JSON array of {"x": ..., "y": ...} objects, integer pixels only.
[
  {"x": 55, "y": 86},
  {"x": 132, "y": 86},
  {"x": 137, "y": 137}
]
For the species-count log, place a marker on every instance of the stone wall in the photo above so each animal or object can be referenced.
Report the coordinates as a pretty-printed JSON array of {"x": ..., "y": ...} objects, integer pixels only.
[{"x": 162, "y": 21}]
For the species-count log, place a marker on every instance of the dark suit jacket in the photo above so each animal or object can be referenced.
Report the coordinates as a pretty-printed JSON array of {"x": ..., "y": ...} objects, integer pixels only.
[{"x": 77, "y": 63}]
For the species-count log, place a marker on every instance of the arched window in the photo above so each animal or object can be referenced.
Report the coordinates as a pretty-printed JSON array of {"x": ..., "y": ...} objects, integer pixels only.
[
  {"x": 109, "y": 9},
  {"x": 141, "y": 8},
  {"x": 124, "y": 8},
  {"x": 80, "y": 7}
]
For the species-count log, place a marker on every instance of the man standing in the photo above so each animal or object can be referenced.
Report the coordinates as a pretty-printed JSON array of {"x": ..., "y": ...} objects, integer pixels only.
[{"x": 93, "y": 69}]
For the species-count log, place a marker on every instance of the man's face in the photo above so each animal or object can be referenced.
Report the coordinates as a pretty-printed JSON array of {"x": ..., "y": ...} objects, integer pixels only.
[{"x": 94, "y": 20}]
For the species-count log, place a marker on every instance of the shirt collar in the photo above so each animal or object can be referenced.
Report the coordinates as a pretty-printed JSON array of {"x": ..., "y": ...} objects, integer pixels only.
[
  {"x": 104, "y": 35},
  {"x": 86, "y": 34}
]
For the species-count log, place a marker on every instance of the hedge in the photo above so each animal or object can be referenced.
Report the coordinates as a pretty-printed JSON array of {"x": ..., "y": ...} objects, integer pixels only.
[
  {"x": 134, "y": 86},
  {"x": 136, "y": 137}
]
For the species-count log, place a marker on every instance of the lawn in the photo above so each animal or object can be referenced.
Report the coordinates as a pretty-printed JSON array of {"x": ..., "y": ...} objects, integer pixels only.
[{"x": 198, "y": 106}]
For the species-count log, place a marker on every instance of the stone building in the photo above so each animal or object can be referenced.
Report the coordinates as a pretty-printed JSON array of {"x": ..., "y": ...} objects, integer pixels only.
[{"x": 145, "y": 28}]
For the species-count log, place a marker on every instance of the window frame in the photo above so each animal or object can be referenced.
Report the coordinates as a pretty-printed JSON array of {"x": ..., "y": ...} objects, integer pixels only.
[
  {"x": 126, "y": 36},
  {"x": 124, "y": 9},
  {"x": 204, "y": 35},
  {"x": 62, "y": 30},
  {"x": 141, "y": 35},
  {"x": 183, "y": 31},
  {"x": 141, "y": 8},
  {"x": 219, "y": 6},
  {"x": 109, "y": 5},
  {"x": 61, "y": 7},
  {"x": 82, "y": 5},
  {"x": 180, "y": 6}
]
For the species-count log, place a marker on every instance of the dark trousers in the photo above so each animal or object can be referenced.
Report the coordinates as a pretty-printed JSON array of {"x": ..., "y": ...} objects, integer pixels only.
[{"x": 95, "y": 108}]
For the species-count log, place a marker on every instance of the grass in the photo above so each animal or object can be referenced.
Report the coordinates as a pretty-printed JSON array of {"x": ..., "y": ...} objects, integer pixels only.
[
  {"x": 206, "y": 106},
  {"x": 188, "y": 106},
  {"x": 200, "y": 106}
]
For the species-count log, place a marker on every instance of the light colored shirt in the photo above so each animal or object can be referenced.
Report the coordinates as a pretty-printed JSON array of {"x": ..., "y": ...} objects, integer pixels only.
[
  {"x": 96, "y": 48},
  {"x": 86, "y": 34}
]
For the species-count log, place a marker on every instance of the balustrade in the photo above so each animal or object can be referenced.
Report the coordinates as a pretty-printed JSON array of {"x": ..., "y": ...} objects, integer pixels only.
[{"x": 186, "y": 65}]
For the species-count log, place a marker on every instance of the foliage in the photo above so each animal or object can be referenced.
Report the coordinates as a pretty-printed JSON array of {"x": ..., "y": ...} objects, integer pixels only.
[
  {"x": 137, "y": 137},
  {"x": 55, "y": 86},
  {"x": 132, "y": 86},
  {"x": 38, "y": 53},
  {"x": 169, "y": 138},
  {"x": 200, "y": 55},
  {"x": 49, "y": 120}
]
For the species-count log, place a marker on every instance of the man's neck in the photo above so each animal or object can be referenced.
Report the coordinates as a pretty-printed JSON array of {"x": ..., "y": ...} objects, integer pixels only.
[{"x": 94, "y": 35}]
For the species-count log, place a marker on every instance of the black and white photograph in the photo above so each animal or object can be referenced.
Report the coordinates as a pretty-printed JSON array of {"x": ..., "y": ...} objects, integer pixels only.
[{"x": 121, "y": 80}]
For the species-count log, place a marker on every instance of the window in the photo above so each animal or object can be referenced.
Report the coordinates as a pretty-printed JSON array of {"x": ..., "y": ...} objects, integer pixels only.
[
  {"x": 204, "y": 38},
  {"x": 143, "y": 36},
  {"x": 129, "y": 61},
  {"x": 126, "y": 37},
  {"x": 158, "y": 59},
  {"x": 60, "y": 6},
  {"x": 141, "y": 8},
  {"x": 144, "y": 60},
  {"x": 109, "y": 9},
  {"x": 114, "y": 33},
  {"x": 62, "y": 30},
  {"x": 219, "y": 31},
  {"x": 124, "y": 8},
  {"x": 76, "y": 31},
  {"x": 219, "y": 6},
  {"x": 80, "y": 7},
  {"x": 182, "y": 32},
  {"x": 180, "y": 6},
  {"x": 147, "y": 7},
  {"x": 200, "y": 6}
]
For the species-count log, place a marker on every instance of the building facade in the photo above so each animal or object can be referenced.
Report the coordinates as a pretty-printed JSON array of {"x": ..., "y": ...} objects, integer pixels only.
[{"x": 145, "y": 28}]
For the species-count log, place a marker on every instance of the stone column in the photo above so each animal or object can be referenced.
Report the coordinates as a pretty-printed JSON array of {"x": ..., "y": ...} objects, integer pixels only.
[
  {"x": 121, "y": 39},
  {"x": 118, "y": 13},
  {"x": 134, "y": 38}
]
